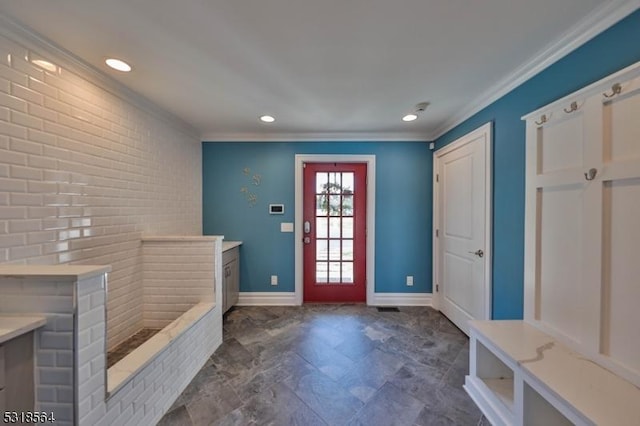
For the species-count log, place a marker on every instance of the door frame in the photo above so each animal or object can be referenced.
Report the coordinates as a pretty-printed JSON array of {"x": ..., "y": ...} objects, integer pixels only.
[
  {"x": 485, "y": 130},
  {"x": 370, "y": 161}
]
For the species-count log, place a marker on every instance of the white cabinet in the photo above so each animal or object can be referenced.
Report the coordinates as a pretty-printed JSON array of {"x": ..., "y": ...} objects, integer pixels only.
[
  {"x": 230, "y": 278},
  {"x": 17, "y": 374},
  {"x": 582, "y": 259}
]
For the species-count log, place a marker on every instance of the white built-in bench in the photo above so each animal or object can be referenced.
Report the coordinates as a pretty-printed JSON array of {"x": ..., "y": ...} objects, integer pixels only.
[{"x": 522, "y": 376}]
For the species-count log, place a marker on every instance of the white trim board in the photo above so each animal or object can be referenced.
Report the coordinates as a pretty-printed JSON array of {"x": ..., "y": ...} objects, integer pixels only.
[
  {"x": 289, "y": 299},
  {"x": 266, "y": 299},
  {"x": 402, "y": 299},
  {"x": 316, "y": 137},
  {"x": 370, "y": 160},
  {"x": 595, "y": 23}
]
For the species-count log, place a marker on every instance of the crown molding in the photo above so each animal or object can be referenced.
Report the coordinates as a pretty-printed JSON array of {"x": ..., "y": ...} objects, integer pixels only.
[
  {"x": 41, "y": 45},
  {"x": 595, "y": 23},
  {"x": 315, "y": 137}
]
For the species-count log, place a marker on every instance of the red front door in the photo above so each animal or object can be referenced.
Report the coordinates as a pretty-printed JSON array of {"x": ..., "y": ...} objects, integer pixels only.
[{"x": 335, "y": 232}]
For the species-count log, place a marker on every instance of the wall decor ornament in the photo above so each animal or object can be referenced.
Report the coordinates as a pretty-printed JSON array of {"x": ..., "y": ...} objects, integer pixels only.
[{"x": 255, "y": 180}]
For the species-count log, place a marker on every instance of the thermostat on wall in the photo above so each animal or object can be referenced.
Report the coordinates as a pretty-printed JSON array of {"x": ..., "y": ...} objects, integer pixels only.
[{"x": 276, "y": 208}]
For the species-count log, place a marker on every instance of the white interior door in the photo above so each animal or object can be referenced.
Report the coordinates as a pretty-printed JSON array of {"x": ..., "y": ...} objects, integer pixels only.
[{"x": 462, "y": 247}]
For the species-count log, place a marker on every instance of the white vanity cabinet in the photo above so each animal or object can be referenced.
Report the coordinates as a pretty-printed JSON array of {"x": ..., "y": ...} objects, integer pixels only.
[
  {"x": 230, "y": 276},
  {"x": 578, "y": 355},
  {"x": 17, "y": 379}
]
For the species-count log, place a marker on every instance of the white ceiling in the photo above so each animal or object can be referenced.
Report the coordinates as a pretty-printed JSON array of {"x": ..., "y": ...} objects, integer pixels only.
[{"x": 325, "y": 69}]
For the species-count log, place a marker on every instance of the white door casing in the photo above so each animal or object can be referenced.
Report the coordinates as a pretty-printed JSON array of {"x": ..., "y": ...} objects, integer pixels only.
[
  {"x": 370, "y": 160},
  {"x": 462, "y": 228}
]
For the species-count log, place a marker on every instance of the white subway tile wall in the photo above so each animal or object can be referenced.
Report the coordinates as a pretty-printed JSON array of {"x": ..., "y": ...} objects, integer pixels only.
[
  {"x": 146, "y": 397},
  {"x": 85, "y": 172},
  {"x": 177, "y": 276}
]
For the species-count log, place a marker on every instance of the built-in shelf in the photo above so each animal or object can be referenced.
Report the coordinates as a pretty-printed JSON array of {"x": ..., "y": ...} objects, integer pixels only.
[
  {"x": 502, "y": 389},
  {"x": 539, "y": 412},
  {"x": 519, "y": 375}
]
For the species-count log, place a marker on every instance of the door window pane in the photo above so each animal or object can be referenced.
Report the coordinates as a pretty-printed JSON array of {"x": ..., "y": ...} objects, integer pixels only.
[
  {"x": 334, "y": 249},
  {"x": 334, "y": 227},
  {"x": 334, "y": 272},
  {"x": 347, "y": 205},
  {"x": 321, "y": 227},
  {"x": 347, "y": 272},
  {"x": 321, "y": 182},
  {"x": 322, "y": 205},
  {"x": 334, "y": 186},
  {"x": 321, "y": 272},
  {"x": 347, "y": 249},
  {"x": 347, "y": 227},
  {"x": 334, "y": 205},
  {"x": 322, "y": 250},
  {"x": 347, "y": 183}
]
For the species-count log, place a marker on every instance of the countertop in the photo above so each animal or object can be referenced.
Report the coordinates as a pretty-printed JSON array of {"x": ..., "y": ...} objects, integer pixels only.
[
  {"x": 14, "y": 326},
  {"x": 177, "y": 238},
  {"x": 53, "y": 271},
  {"x": 228, "y": 245}
]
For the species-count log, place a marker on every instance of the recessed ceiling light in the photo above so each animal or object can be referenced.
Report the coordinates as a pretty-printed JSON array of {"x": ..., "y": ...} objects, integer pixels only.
[
  {"x": 267, "y": 119},
  {"x": 118, "y": 64},
  {"x": 410, "y": 117}
]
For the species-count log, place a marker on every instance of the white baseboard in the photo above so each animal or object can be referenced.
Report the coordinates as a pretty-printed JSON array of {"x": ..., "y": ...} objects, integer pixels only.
[
  {"x": 266, "y": 299},
  {"x": 289, "y": 299},
  {"x": 401, "y": 299}
]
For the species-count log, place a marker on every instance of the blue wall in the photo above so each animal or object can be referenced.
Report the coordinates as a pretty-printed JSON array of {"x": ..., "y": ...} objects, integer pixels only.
[
  {"x": 611, "y": 51},
  {"x": 403, "y": 208},
  {"x": 404, "y": 184}
]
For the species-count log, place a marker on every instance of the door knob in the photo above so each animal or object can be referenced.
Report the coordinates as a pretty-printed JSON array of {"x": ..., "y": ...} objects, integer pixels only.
[
  {"x": 307, "y": 240},
  {"x": 478, "y": 253}
]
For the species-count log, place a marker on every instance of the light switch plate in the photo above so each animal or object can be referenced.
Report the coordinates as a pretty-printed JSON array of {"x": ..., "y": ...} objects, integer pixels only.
[{"x": 286, "y": 227}]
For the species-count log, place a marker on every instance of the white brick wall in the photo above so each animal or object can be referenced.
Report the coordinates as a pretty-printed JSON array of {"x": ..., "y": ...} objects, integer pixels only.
[
  {"x": 177, "y": 276},
  {"x": 144, "y": 399},
  {"x": 84, "y": 171},
  {"x": 141, "y": 400}
]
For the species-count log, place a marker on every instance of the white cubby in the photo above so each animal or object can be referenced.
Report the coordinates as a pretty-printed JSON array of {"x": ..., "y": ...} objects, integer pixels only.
[
  {"x": 539, "y": 412},
  {"x": 519, "y": 375}
]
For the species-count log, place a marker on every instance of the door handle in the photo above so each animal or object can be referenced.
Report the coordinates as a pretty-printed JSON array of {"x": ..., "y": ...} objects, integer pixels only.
[
  {"x": 478, "y": 252},
  {"x": 307, "y": 240},
  {"x": 307, "y": 226}
]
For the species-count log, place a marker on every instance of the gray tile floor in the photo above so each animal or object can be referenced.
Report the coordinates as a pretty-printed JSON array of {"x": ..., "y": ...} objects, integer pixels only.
[{"x": 332, "y": 365}]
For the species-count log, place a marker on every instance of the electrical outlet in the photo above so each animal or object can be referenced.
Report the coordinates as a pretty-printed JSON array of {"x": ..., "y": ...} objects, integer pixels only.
[
  {"x": 409, "y": 280},
  {"x": 274, "y": 280}
]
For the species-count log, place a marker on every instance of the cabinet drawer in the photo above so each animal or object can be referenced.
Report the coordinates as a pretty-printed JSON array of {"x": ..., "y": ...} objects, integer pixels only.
[
  {"x": 229, "y": 255},
  {"x": 2, "y": 379}
]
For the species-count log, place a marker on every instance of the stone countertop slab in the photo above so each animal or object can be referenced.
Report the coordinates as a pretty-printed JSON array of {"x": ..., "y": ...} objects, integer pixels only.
[
  {"x": 13, "y": 326},
  {"x": 53, "y": 271},
  {"x": 228, "y": 245}
]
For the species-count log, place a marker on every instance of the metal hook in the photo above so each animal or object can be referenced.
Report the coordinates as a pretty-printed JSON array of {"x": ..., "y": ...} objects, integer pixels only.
[
  {"x": 573, "y": 107},
  {"x": 543, "y": 120},
  {"x": 615, "y": 90},
  {"x": 591, "y": 174}
]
